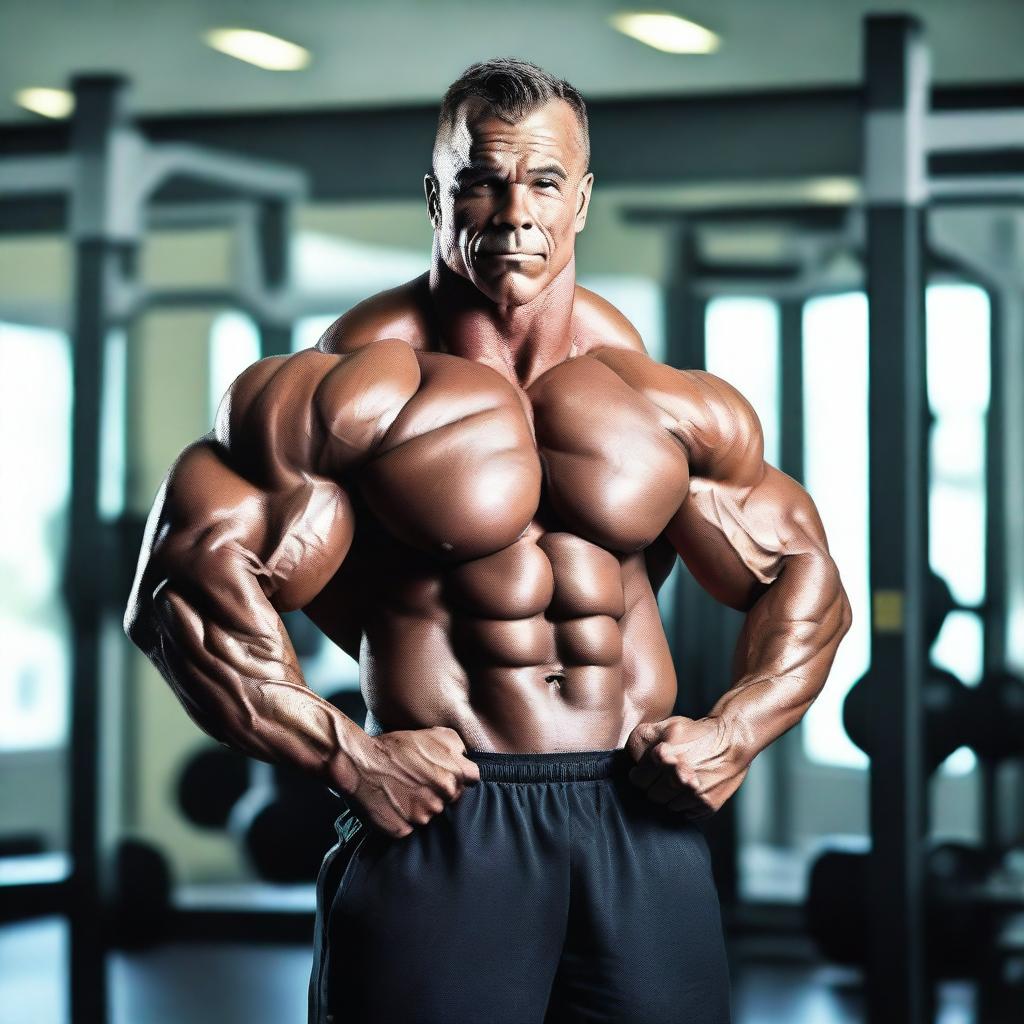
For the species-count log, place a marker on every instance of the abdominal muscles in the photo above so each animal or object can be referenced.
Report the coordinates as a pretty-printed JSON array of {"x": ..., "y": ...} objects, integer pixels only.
[{"x": 552, "y": 643}]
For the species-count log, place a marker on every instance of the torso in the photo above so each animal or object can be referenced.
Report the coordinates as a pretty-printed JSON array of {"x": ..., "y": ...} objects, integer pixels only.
[{"x": 508, "y": 551}]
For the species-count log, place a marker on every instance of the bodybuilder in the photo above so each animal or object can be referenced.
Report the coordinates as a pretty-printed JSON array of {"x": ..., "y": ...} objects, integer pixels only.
[{"x": 475, "y": 484}]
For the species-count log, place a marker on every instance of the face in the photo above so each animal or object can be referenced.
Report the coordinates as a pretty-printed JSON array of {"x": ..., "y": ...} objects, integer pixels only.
[{"x": 507, "y": 200}]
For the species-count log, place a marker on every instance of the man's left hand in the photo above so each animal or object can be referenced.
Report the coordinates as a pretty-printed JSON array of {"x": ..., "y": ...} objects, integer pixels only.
[{"x": 689, "y": 764}]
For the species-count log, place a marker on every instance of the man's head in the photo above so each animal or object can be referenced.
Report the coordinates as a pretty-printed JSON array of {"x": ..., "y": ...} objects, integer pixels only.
[{"x": 510, "y": 184}]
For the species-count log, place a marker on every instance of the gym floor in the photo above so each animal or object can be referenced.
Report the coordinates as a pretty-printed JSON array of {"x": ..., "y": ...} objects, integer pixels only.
[{"x": 225, "y": 983}]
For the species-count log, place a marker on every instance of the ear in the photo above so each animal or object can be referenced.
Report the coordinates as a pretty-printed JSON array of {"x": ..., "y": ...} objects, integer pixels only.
[
  {"x": 583, "y": 200},
  {"x": 430, "y": 190}
]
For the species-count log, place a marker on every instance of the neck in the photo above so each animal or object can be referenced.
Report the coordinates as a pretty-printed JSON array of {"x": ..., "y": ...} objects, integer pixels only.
[{"x": 520, "y": 342}]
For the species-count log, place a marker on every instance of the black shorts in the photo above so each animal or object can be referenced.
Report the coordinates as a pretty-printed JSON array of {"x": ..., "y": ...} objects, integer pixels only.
[{"x": 552, "y": 890}]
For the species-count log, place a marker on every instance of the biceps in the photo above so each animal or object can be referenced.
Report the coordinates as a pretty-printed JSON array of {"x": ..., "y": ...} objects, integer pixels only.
[{"x": 735, "y": 540}]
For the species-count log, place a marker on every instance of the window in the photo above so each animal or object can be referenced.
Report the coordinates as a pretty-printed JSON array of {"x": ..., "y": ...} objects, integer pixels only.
[
  {"x": 742, "y": 347},
  {"x": 836, "y": 459},
  {"x": 835, "y": 353},
  {"x": 958, "y": 396},
  {"x": 234, "y": 345},
  {"x": 35, "y": 435}
]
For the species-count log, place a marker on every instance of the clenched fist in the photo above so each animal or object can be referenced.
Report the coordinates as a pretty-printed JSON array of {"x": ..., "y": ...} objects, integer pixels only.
[
  {"x": 404, "y": 778},
  {"x": 689, "y": 764}
]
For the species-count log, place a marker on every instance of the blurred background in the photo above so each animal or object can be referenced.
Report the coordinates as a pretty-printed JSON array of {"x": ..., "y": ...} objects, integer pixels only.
[{"x": 821, "y": 208}]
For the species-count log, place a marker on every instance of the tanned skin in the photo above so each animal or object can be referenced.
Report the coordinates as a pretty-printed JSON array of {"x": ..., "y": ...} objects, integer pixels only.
[{"x": 475, "y": 485}]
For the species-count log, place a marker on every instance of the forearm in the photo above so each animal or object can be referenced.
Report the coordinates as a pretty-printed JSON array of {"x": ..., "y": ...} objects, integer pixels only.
[
  {"x": 784, "y": 652},
  {"x": 227, "y": 656}
]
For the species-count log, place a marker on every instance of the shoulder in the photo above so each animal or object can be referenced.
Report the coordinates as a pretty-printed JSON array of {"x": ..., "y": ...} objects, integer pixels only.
[
  {"x": 599, "y": 324},
  {"x": 314, "y": 411},
  {"x": 717, "y": 425},
  {"x": 396, "y": 313}
]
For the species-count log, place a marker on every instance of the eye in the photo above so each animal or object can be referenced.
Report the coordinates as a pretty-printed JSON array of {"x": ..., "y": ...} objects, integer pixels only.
[
  {"x": 546, "y": 183},
  {"x": 481, "y": 185}
]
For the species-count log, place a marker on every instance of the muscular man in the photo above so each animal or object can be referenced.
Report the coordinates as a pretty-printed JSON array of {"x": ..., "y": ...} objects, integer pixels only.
[{"x": 475, "y": 484}]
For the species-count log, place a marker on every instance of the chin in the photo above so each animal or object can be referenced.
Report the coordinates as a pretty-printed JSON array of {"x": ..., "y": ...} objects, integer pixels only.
[
  {"x": 512, "y": 289},
  {"x": 517, "y": 296}
]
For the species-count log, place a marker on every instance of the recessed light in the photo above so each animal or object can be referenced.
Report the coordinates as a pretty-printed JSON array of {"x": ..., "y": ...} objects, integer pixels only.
[
  {"x": 56, "y": 103},
  {"x": 667, "y": 32},
  {"x": 259, "y": 48}
]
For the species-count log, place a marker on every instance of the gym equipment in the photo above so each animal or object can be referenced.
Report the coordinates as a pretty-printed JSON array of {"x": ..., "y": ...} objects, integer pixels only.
[
  {"x": 22, "y": 844},
  {"x": 142, "y": 894},
  {"x": 939, "y": 603},
  {"x": 961, "y": 925},
  {"x": 286, "y": 832},
  {"x": 912, "y": 717},
  {"x": 285, "y": 821},
  {"x": 109, "y": 176},
  {"x": 999, "y": 716},
  {"x": 949, "y": 713},
  {"x": 210, "y": 783},
  {"x": 988, "y": 718}
]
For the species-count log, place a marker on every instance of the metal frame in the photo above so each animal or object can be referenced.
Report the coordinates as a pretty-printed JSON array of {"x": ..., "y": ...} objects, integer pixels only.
[
  {"x": 366, "y": 154},
  {"x": 900, "y": 135},
  {"x": 895, "y": 71},
  {"x": 887, "y": 227},
  {"x": 109, "y": 176}
]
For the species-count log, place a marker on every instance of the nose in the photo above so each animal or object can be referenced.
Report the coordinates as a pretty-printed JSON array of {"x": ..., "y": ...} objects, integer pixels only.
[{"x": 514, "y": 212}]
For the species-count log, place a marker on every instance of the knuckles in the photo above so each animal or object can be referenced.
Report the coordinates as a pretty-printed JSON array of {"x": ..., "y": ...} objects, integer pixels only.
[
  {"x": 663, "y": 754},
  {"x": 449, "y": 786}
]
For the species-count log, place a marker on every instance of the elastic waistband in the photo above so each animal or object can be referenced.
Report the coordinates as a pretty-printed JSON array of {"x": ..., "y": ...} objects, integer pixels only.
[{"x": 569, "y": 766}]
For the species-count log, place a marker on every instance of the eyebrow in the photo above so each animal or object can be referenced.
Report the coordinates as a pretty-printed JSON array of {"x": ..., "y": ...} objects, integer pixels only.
[
  {"x": 552, "y": 169},
  {"x": 476, "y": 168},
  {"x": 486, "y": 168}
]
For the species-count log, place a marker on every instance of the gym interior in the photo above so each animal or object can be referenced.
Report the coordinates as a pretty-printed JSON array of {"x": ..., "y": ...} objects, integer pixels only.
[{"x": 820, "y": 203}]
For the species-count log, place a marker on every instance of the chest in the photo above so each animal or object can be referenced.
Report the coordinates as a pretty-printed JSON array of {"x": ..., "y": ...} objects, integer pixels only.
[{"x": 463, "y": 472}]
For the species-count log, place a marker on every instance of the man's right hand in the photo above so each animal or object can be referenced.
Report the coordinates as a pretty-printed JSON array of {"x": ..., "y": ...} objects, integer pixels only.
[{"x": 404, "y": 778}]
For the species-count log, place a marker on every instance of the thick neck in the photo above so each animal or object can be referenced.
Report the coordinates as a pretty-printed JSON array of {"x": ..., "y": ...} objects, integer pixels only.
[{"x": 520, "y": 342}]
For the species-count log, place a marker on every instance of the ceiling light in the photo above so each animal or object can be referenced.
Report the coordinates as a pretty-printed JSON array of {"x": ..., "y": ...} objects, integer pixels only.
[
  {"x": 48, "y": 102},
  {"x": 259, "y": 48},
  {"x": 667, "y": 32}
]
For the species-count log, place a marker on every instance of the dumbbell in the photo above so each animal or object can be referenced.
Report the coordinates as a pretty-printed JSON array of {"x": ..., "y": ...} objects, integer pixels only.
[
  {"x": 988, "y": 718},
  {"x": 285, "y": 833},
  {"x": 285, "y": 822},
  {"x": 960, "y": 923},
  {"x": 998, "y": 727},
  {"x": 210, "y": 783},
  {"x": 951, "y": 713},
  {"x": 287, "y": 826}
]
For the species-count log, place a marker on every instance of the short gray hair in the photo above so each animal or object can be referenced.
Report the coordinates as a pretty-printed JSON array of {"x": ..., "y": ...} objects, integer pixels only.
[{"x": 512, "y": 87}]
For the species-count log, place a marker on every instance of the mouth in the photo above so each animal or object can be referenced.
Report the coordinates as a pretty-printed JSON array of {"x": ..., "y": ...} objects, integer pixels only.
[{"x": 511, "y": 256}]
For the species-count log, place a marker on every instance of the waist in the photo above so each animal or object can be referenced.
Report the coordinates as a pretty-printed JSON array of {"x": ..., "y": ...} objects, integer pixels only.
[{"x": 565, "y": 766}]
